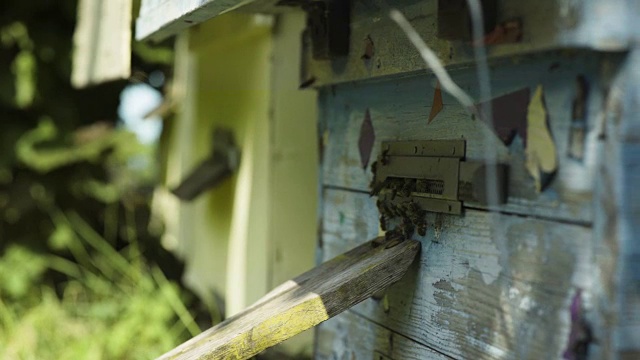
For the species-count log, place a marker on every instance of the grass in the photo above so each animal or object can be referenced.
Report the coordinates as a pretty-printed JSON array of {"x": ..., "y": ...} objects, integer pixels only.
[{"x": 110, "y": 305}]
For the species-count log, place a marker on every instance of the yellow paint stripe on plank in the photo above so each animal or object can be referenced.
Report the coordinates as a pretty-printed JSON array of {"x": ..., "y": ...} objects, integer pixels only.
[{"x": 303, "y": 302}]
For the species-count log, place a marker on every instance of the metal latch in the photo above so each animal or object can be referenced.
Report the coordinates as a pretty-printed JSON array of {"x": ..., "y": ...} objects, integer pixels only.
[{"x": 411, "y": 177}]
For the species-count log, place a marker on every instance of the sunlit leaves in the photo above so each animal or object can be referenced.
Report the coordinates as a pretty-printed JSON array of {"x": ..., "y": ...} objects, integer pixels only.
[
  {"x": 113, "y": 305},
  {"x": 24, "y": 66},
  {"x": 20, "y": 270}
]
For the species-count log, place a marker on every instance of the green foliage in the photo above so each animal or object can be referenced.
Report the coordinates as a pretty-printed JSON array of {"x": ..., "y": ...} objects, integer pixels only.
[
  {"x": 66, "y": 292},
  {"x": 24, "y": 69},
  {"x": 153, "y": 54},
  {"x": 112, "y": 305},
  {"x": 123, "y": 143},
  {"x": 20, "y": 270},
  {"x": 24, "y": 64}
]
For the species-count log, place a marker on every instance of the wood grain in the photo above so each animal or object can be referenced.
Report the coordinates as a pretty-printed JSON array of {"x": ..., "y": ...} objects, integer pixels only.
[
  {"x": 548, "y": 25},
  {"x": 400, "y": 108},
  {"x": 487, "y": 286},
  {"x": 617, "y": 213},
  {"x": 351, "y": 336},
  {"x": 160, "y": 19},
  {"x": 102, "y": 42},
  {"x": 303, "y": 302}
]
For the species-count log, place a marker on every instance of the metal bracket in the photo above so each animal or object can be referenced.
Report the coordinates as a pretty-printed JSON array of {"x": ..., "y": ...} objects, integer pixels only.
[
  {"x": 220, "y": 165},
  {"x": 433, "y": 175}
]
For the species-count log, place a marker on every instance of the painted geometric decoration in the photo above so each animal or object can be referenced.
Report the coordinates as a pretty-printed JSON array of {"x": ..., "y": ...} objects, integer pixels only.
[
  {"x": 366, "y": 140},
  {"x": 509, "y": 115}
]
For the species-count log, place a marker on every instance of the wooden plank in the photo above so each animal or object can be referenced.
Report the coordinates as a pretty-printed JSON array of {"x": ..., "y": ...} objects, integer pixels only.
[
  {"x": 102, "y": 42},
  {"x": 159, "y": 19},
  {"x": 547, "y": 25},
  {"x": 302, "y": 303},
  {"x": 487, "y": 285},
  {"x": 293, "y": 170},
  {"x": 223, "y": 236},
  {"x": 590, "y": 23},
  {"x": 399, "y": 109},
  {"x": 350, "y": 336},
  {"x": 617, "y": 213}
]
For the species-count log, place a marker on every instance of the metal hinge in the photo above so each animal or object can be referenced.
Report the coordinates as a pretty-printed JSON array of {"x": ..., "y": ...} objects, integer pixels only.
[{"x": 432, "y": 175}]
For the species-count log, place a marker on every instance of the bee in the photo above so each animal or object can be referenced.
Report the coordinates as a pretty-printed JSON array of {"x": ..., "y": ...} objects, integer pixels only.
[
  {"x": 398, "y": 211},
  {"x": 376, "y": 187},
  {"x": 384, "y": 209},
  {"x": 407, "y": 228},
  {"x": 408, "y": 186},
  {"x": 372, "y": 184},
  {"x": 394, "y": 234},
  {"x": 396, "y": 186},
  {"x": 422, "y": 228},
  {"x": 383, "y": 222},
  {"x": 384, "y": 157},
  {"x": 414, "y": 212}
]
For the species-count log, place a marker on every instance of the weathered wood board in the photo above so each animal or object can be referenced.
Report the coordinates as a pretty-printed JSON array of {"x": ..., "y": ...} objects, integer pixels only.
[
  {"x": 351, "y": 336},
  {"x": 303, "y": 302},
  {"x": 159, "y": 19},
  {"x": 399, "y": 110},
  {"x": 617, "y": 213},
  {"x": 102, "y": 42},
  {"x": 546, "y": 25},
  {"x": 487, "y": 286}
]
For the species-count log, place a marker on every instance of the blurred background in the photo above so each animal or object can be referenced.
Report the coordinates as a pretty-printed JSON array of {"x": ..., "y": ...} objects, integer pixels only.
[
  {"x": 81, "y": 271},
  {"x": 95, "y": 249}
]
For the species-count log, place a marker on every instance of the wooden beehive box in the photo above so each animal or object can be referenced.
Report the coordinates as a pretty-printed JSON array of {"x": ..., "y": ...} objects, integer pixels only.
[
  {"x": 553, "y": 271},
  {"x": 532, "y": 278}
]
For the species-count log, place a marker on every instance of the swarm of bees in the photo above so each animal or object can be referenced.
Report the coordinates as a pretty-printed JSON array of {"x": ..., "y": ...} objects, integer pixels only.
[{"x": 397, "y": 208}]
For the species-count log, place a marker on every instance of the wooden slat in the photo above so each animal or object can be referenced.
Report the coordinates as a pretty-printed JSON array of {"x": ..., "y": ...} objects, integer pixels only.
[
  {"x": 159, "y": 19},
  {"x": 489, "y": 286},
  {"x": 350, "y": 336},
  {"x": 102, "y": 42},
  {"x": 303, "y": 302},
  {"x": 399, "y": 109},
  {"x": 617, "y": 214},
  {"x": 547, "y": 25}
]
